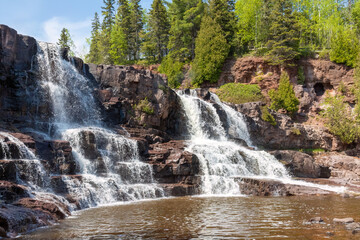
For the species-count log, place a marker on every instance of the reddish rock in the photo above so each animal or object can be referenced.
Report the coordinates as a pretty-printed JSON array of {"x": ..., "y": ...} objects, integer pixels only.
[
  {"x": 266, "y": 187},
  {"x": 56, "y": 210}
]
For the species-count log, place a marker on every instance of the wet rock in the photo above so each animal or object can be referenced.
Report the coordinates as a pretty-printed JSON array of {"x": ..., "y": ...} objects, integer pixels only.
[
  {"x": 10, "y": 192},
  {"x": 53, "y": 209},
  {"x": 353, "y": 226},
  {"x": 343, "y": 220},
  {"x": 8, "y": 170},
  {"x": 267, "y": 187},
  {"x": 316, "y": 220},
  {"x": 58, "y": 155},
  {"x": 301, "y": 164}
]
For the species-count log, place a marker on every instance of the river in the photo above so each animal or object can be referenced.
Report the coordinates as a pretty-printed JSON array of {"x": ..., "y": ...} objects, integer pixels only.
[{"x": 210, "y": 218}]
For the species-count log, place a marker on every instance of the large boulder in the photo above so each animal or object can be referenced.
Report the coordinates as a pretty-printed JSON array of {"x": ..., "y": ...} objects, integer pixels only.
[{"x": 301, "y": 164}]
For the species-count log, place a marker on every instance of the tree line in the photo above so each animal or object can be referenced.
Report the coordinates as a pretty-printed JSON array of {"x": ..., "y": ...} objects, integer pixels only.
[{"x": 203, "y": 34}]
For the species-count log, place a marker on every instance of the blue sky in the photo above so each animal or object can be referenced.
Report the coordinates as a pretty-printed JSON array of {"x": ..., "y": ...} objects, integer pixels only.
[{"x": 44, "y": 19}]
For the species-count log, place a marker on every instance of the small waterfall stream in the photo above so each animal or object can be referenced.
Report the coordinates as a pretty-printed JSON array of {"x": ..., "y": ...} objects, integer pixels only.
[{"x": 222, "y": 159}]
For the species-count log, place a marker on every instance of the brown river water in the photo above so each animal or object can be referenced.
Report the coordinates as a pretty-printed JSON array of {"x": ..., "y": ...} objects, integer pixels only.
[{"x": 210, "y": 218}]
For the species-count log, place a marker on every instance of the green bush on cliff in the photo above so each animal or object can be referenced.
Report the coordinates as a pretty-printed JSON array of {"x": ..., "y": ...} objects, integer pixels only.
[
  {"x": 266, "y": 116},
  {"x": 340, "y": 119},
  {"x": 145, "y": 106},
  {"x": 284, "y": 97},
  {"x": 239, "y": 93}
]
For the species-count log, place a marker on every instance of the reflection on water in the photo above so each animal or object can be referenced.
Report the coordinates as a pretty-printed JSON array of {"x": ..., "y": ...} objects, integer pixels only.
[{"x": 204, "y": 218}]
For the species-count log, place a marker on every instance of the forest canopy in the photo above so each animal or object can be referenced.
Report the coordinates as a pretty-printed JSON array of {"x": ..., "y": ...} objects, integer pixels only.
[{"x": 201, "y": 35}]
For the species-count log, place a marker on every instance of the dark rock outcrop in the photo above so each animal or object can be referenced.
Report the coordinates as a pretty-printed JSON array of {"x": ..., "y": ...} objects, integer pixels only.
[
  {"x": 125, "y": 91},
  {"x": 301, "y": 164}
]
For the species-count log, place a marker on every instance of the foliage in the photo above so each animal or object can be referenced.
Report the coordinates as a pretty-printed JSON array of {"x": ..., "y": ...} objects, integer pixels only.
[
  {"x": 222, "y": 11},
  {"x": 106, "y": 27},
  {"x": 301, "y": 75},
  {"x": 266, "y": 116},
  {"x": 185, "y": 20},
  {"x": 296, "y": 131},
  {"x": 157, "y": 37},
  {"x": 340, "y": 119},
  {"x": 345, "y": 47},
  {"x": 283, "y": 40},
  {"x": 312, "y": 151},
  {"x": 173, "y": 70},
  {"x": 94, "y": 55},
  {"x": 284, "y": 97},
  {"x": 65, "y": 41},
  {"x": 239, "y": 93},
  {"x": 249, "y": 14},
  {"x": 210, "y": 52},
  {"x": 145, "y": 106},
  {"x": 118, "y": 45}
]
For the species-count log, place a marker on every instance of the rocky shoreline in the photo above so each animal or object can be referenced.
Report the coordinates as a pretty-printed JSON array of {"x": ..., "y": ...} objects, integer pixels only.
[{"x": 160, "y": 136}]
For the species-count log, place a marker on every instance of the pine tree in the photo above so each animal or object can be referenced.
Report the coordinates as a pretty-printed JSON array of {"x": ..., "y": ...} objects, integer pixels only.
[
  {"x": 157, "y": 37},
  {"x": 210, "y": 52},
  {"x": 284, "y": 97},
  {"x": 222, "y": 11},
  {"x": 94, "y": 55},
  {"x": 123, "y": 21},
  {"x": 283, "y": 41},
  {"x": 65, "y": 41},
  {"x": 136, "y": 24},
  {"x": 186, "y": 18},
  {"x": 107, "y": 24}
]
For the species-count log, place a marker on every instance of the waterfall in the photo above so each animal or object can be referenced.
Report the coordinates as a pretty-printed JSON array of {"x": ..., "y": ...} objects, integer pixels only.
[
  {"x": 221, "y": 159},
  {"x": 110, "y": 166},
  {"x": 29, "y": 169}
]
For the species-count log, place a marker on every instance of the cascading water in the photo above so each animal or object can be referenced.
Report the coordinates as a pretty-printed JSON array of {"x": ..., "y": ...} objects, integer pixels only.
[
  {"x": 30, "y": 171},
  {"x": 110, "y": 166},
  {"x": 222, "y": 159}
]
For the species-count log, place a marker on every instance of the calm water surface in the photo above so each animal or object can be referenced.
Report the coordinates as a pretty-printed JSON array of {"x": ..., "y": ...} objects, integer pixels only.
[{"x": 209, "y": 218}]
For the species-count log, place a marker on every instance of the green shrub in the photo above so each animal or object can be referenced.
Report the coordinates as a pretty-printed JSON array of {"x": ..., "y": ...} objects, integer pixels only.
[
  {"x": 301, "y": 76},
  {"x": 145, "y": 106},
  {"x": 345, "y": 47},
  {"x": 284, "y": 97},
  {"x": 173, "y": 70},
  {"x": 340, "y": 119},
  {"x": 296, "y": 131},
  {"x": 342, "y": 88},
  {"x": 163, "y": 88},
  {"x": 266, "y": 116},
  {"x": 324, "y": 54},
  {"x": 239, "y": 93},
  {"x": 312, "y": 151}
]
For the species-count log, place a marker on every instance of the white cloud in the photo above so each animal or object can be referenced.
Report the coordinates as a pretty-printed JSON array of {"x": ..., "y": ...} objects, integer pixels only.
[{"x": 79, "y": 31}]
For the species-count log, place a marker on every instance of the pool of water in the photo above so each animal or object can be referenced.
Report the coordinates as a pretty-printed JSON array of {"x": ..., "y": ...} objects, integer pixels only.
[{"x": 210, "y": 218}]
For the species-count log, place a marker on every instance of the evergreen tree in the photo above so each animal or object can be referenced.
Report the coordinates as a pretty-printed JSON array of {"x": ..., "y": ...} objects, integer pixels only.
[
  {"x": 107, "y": 24},
  {"x": 136, "y": 25},
  {"x": 284, "y": 97},
  {"x": 157, "y": 37},
  {"x": 118, "y": 45},
  {"x": 222, "y": 11},
  {"x": 283, "y": 41},
  {"x": 185, "y": 20},
  {"x": 210, "y": 52},
  {"x": 65, "y": 41},
  {"x": 94, "y": 55},
  {"x": 123, "y": 20}
]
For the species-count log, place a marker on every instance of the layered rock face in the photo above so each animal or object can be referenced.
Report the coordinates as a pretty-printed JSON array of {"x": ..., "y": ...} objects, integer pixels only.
[{"x": 136, "y": 97}]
